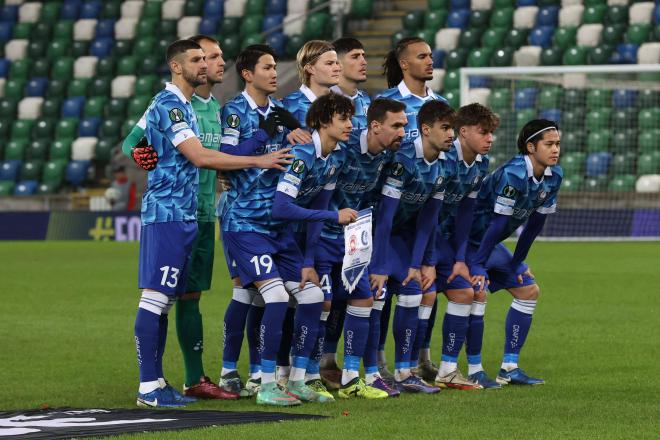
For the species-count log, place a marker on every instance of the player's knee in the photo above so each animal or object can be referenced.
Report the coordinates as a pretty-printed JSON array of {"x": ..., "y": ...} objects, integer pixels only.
[
  {"x": 243, "y": 296},
  {"x": 154, "y": 302},
  {"x": 310, "y": 294},
  {"x": 428, "y": 298},
  {"x": 461, "y": 296},
  {"x": 378, "y": 305},
  {"x": 170, "y": 304},
  {"x": 480, "y": 297},
  {"x": 327, "y": 305},
  {"x": 409, "y": 300},
  {"x": 534, "y": 291},
  {"x": 273, "y": 291}
]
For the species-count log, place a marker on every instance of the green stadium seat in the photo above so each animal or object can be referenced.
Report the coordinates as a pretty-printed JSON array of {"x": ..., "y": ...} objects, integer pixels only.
[
  {"x": 624, "y": 118},
  {"x": 575, "y": 140},
  {"x": 38, "y": 149},
  {"x": 470, "y": 38},
  {"x": 435, "y": 20},
  {"x": 79, "y": 48},
  {"x": 656, "y": 32},
  {"x": 44, "y": 129},
  {"x": 103, "y": 152},
  {"x": 31, "y": 170},
  {"x": 94, "y": 106},
  {"x": 502, "y": 18},
  {"x": 66, "y": 128},
  {"x": 64, "y": 30},
  {"x": 63, "y": 68},
  {"x": 111, "y": 128},
  {"x": 598, "y": 98},
  {"x": 41, "y": 68},
  {"x": 51, "y": 108},
  {"x": 456, "y": 59},
  {"x": 20, "y": 69},
  {"x": 453, "y": 97},
  {"x": 576, "y": 55},
  {"x": 649, "y": 118},
  {"x": 427, "y": 35},
  {"x": 144, "y": 46},
  {"x": 516, "y": 38},
  {"x": 22, "y": 31},
  {"x": 251, "y": 24},
  {"x": 56, "y": 89},
  {"x": 479, "y": 19},
  {"x": 5, "y": 130},
  {"x": 573, "y": 163},
  {"x": 21, "y": 129},
  {"x": 361, "y": 9},
  {"x": 150, "y": 64},
  {"x": 572, "y": 183},
  {"x": 648, "y": 98},
  {"x": 8, "y": 108},
  {"x": 649, "y": 141},
  {"x": 480, "y": 57},
  {"x": 229, "y": 26},
  {"x": 100, "y": 87},
  {"x": 314, "y": 4},
  {"x": 151, "y": 10},
  {"x": 15, "y": 149},
  {"x": 612, "y": 34},
  {"x": 503, "y": 57},
  {"x": 648, "y": 163},
  {"x": 115, "y": 108},
  {"x": 231, "y": 45},
  {"x": 61, "y": 150},
  {"x": 105, "y": 67},
  {"x": 193, "y": 8},
  {"x": 438, "y": 4},
  {"x": 46, "y": 189},
  {"x": 494, "y": 37},
  {"x": 316, "y": 26},
  {"x": 551, "y": 56},
  {"x": 451, "y": 80},
  {"x": 595, "y": 184},
  {"x": 146, "y": 26},
  {"x": 573, "y": 98},
  {"x": 53, "y": 173},
  {"x": 127, "y": 65},
  {"x": 549, "y": 98},
  {"x": 598, "y": 141},
  {"x": 523, "y": 117},
  {"x": 138, "y": 105},
  {"x": 413, "y": 21},
  {"x": 14, "y": 88},
  {"x": 623, "y": 163},
  {"x": 594, "y": 14},
  {"x": 167, "y": 29},
  {"x": 624, "y": 140},
  {"x": 249, "y": 40},
  {"x": 500, "y": 99},
  {"x": 638, "y": 33},
  {"x": 78, "y": 87},
  {"x": 617, "y": 14},
  {"x": 6, "y": 188},
  {"x": 50, "y": 12},
  {"x": 258, "y": 6},
  {"x": 599, "y": 118},
  {"x": 122, "y": 48},
  {"x": 599, "y": 54},
  {"x": 622, "y": 183},
  {"x": 397, "y": 36},
  {"x": 58, "y": 49}
]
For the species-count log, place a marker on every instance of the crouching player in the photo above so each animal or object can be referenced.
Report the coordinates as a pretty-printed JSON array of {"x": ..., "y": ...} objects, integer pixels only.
[
  {"x": 523, "y": 191},
  {"x": 404, "y": 248},
  {"x": 260, "y": 244}
]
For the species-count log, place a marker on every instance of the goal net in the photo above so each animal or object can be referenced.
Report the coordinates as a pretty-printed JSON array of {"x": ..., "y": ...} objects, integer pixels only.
[{"x": 610, "y": 131}]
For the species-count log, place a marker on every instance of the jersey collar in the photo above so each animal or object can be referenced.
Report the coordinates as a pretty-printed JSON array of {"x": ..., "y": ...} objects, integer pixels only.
[
  {"x": 459, "y": 154},
  {"x": 530, "y": 170},
  {"x": 339, "y": 91},
  {"x": 316, "y": 138},
  {"x": 308, "y": 93},
  {"x": 364, "y": 147},
  {"x": 253, "y": 105},
  {"x": 405, "y": 92},
  {"x": 177, "y": 91},
  {"x": 204, "y": 100},
  {"x": 419, "y": 151}
]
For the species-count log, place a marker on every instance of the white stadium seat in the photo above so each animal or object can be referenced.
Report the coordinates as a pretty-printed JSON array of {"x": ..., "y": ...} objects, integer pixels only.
[
  {"x": 2, "y": 87},
  {"x": 125, "y": 28},
  {"x": 525, "y": 17},
  {"x": 235, "y": 8},
  {"x": 85, "y": 67},
  {"x": 436, "y": 83},
  {"x": 188, "y": 26},
  {"x": 527, "y": 56},
  {"x": 641, "y": 13},
  {"x": 481, "y": 5},
  {"x": 132, "y": 9},
  {"x": 123, "y": 86},
  {"x": 292, "y": 26},
  {"x": 617, "y": 2},
  {"x": 30, "y": 107},
  {"x": 84, "y": 30},
  {"x": 29, "y": 12},
  {"x": 589, "y": 35},
  {"x": 172, "y": 9},
  {"x": 480, "y": 95},
  {"x": 648, "y": 183},
  {"x": 649, "y": 53},
  {"x": 296, "y": 7},
  {"x": 571, "y": 16},
  {"x": 565, "y": 3},
  {"x": 83, "y": 148},
  {"x": 447, "y": 39},
  {"x": 16, "y": 49}
]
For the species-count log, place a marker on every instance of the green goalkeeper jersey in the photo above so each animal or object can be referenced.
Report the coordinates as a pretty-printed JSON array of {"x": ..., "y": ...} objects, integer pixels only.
[{"x": 208, "y": 120}]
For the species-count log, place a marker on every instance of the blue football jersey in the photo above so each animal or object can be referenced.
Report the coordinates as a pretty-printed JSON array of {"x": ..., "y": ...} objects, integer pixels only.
[
  {"x": 466, "y": 180},
  {"x": 172, "y": 186},
  {"x": 239, "y": 122},
  {"x": 413, "y": 104},
  {"x": 512, "y": 190},
  {"x": 308, "y": 174},
  {"x": 298, "y": 102},
  {"x": 361, "y": 101},
  {"x": 358, "y": 182},
  {"x": 413, "y": 180}
]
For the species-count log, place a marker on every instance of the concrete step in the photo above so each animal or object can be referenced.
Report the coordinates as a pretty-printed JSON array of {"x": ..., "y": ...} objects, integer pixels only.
[
  {"x": 375, "y": 43},
  {"x": 410, "y": 5}
]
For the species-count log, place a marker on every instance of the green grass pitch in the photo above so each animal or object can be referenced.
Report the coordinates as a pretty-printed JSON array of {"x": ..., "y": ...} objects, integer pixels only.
[{"x": 66, "y": 332}]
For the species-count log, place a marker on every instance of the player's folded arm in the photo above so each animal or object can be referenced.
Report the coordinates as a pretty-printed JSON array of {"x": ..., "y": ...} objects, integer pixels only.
[
  {"x": 463, "y": 224},
  {"x": 383, "y": 230},
  {"x": 490, "y": 239},
  {"x": 425, "y": 228},
  {"x": 532, "y": 229}
]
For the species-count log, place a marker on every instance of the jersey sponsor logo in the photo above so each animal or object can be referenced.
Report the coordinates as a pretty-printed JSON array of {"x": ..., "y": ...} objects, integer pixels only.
[
  {"x": 298, "y": 166},
  {"x": 233, "y": 120},
  {"x": 509, "y": 191},
  {"x": 397, "y": 169},
  {"x": 179, "y": 126},
  {"x": 176, "y": 115},
  {"x": 293, "y": 179}
]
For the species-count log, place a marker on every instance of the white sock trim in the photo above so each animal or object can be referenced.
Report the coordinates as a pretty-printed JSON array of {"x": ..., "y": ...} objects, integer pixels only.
[
  {"x": 241, "y": 295},
  {"x": 310, "y": 294},
  {"x": 378, "y": 305},
  {"x": 324, "y": 316},
  {"x": 424, "y": 311},
  {"x": 524, "y": 306},
  {"x": 409, "y": 300},
  {"x": 458, "y": 309},
  {"x": 274, "y": 291},
  {"x": 154, "y": 302},
  {"x": 360, "y": 312},
  {"x": 478, "y": 308}
]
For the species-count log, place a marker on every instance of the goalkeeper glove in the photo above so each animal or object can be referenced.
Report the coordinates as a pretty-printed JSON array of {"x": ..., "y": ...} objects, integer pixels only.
[
  {"x": 144, "y": 155},
  {"x": 286, "y": 119},
  {"x": 269, "y": 124}
]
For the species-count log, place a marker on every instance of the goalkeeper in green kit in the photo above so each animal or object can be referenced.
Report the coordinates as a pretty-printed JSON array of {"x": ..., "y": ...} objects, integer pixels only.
[{"x": 188, "y": 318}]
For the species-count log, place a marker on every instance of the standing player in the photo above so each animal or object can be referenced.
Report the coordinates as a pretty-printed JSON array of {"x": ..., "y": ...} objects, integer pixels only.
[
  {"x": 407, "y": 67},
  {"x": 474, "y": 125},
  {"x": 252, "y": 123},
  {"x": 523, "y": 191},
  {"x": 169, "y": 213},
  {"x": 260, "y": 243},
  {"x": 404, "y": 245}
]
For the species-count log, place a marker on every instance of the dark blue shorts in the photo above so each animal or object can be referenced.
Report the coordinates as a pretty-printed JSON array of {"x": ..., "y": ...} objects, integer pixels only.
[
  {"x": 165, "y": 250},
  {"x": 261, "y": 257},
  {"x": 231, "y": 265},
  {"x": 499, "y": 270},
  {"x": 400, "y": 254},
  {"x": 329, "y": 258},
  {"x": 446, "y": 256}
]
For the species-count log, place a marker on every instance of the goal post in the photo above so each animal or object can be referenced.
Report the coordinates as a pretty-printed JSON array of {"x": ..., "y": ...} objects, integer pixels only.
[{"x": 609, "y": 117}]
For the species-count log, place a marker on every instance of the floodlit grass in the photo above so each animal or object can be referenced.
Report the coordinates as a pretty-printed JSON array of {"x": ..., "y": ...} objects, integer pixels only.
[{"x": 66, "y": 326}]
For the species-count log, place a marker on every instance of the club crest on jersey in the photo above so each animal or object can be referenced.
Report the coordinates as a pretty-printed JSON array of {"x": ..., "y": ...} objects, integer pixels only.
[
  {"x": 176, "y": 115},
  {"x": 333, "y": 169},
  {"x": 397, "y": 169},
  {"x": 233, "y": 120},
  {"x": 476, "y": 181},
  {"x": 509, "y": 191},
  {"x": 543, "y": 194},
  {"x": 380, "y": 167},
  {"x": 439, "y": 181},
  {"x": 298, "y": 166}
]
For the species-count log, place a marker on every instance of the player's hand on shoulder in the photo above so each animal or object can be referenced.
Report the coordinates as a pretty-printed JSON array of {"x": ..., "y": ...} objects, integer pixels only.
[
  {"x": 144, "y": 155},
  {"x": 299, "y": 136},
  {"x": 286, "y": 118},
  {"x": 309, "y": 274},
  {"x": 277, "y": 159},
  {"x": 346, "y": 216}
]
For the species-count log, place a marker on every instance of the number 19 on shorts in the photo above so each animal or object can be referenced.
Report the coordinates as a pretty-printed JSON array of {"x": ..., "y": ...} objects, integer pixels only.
[{"x": 262, "y": 262}]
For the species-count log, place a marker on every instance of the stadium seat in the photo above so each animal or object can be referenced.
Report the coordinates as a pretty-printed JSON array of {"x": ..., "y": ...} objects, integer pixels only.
[
  {"x": 36, "y": 87},
  {"x": 624, "y": 139},
  {"x": 524, "y": 17},
  {"x": 83, "y": 148},
  {"x": 9, "y": 170},
  {"x": 438, "y": 77},
  {"x": 215, "y": 8},
  {"x": 90, "y": 9},
  {"x": 598, "y": 164},
  {"x": 451, "y": 80},
  {"x": 447, "y": 39},
  {"x": 644, "y": 184},
  {"x": 502, "y": 17},
  {"x": 479, "y": 57},
  {"x": 6, "y": 187},
  {"x": 111, "y": 10},
  {"x": 649, "y": 141},
  {"x": 612, "y": 34},
  {"x": 549, "y": 97},
  {"x": 66, "y": 128},
  {"x": 648, "y": 163},
  {"x": 73, "y": 107},
  {"x": 493, "y": 38},
  {"x": 638, "y": 33},
  {"x": 16, "y": 49},
  {"x": 41, "y": 69},
  {"x": 20, "y": 69},
  {"x": 527, "y": 56},
  {"x": 541, "y": 36},
  {"x": 617, "y": 14},
  {"x": 29, "y": 12},
  {"x": 25, "y": 188},
  {"x": 15, "y": 149},
  {"x": 458, "y": 18},
  {"x": 101, "y": 47},
  {"x": 70, "y": 10},
  {"x": 100, "y": 87},
  {"x": 571, "y": 16},
  {"x": 599, "y": 118},
  {"x": 188, "y": 26},
  {"x": 523, "y": 117},
  {"x": 470, "y": 38},
  {"x": 277, "y": 40},
  {"x": 599, "y": 55},
  {"x": 152, "y": 10},
  {"x": 51, "y": 107},
  {"x": 61, "y": 150},
  {"x": 500, "y": 100},
  {"x": 516, "y": 38},
  {"x": 589, "y": 35},
  {"x": 576, "y": 55},
  {"x": 89, "y": 127},
  {"x": 649, "y": 53},
  {"x": 548, "y": 16},
  {"x": 115, "y": 107},
  {"x": 38, "y": 150},
  {"x": 63, "y": 68},
  {"x": 623, "y": 118},
  {"x": 78, "y": 87},
  {"x": 641, "y": 12},
  {"x": 21, "y": 129},
  {"x": 84, "y": 67},
  {"x": 84, "y": 29},
  {"x": 623, "y": 163},
  {"x": 413, "y": 21},
  {"x": 573, "y": 163},
  {"x": 649, "y": 118},
  {"x": 122, "y": 86},
  {"x": 30, "y": 108},
  {"x": 598, "y": 141},
  {"x": 110, "y": 128},
  {"x": 475, "y": 5},
  {"x": 552, "y": 56},
  {"x": 435, "y": 20},
  {"x": 14, "y": 88},
  {"x": 625, "y": 53},
  {"x": 453, "y": 97},
  {"x": 31, "y": 170},
  {"x": 103, "y": 151},
  {"x": 503, "y": 57},
  {"x": 53, "y": 173},
  {"x": 456, "y": 59}
]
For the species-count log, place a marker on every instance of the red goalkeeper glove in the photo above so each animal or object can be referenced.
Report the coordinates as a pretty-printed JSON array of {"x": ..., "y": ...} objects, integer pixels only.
[{"x": 144, "y": 155}]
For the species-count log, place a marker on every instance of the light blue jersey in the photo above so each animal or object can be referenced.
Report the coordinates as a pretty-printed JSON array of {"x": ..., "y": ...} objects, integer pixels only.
[
  {"x": 239, "y": 121},
  {"x": 298, "y": 102},
  {"x": 359, "y": 181},
  {"x": 172, "y": 186},
  {"x": 361, "y": 101},
  {"x": 512, "y": 190},
  {"x": 413, "y": 104},
  {"x": 413, "y": 180},
  {"x": 308, "y": 174},
  {"x": 465, "y": 181}
]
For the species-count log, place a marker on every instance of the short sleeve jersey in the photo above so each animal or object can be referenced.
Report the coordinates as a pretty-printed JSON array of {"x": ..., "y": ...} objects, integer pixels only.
[
  {"x": 361, "y": 101},
  {"x": 239, "y": 121},
  {"x": 413, "y": 103},
  {"x": 512, "y": 190},
  {"x": 172, "y": 186},
  {"x": 413, "y": 180},
  {"x": 298, "y": 102},
  {"x": 465, "y": 181}
]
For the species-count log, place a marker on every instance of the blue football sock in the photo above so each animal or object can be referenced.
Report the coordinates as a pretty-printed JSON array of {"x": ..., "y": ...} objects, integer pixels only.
[
  {"x": 162, "y": 340},
  {"x": 518, "y": 322},
  {"x": 384, "y": 323},
  {"x": 404, "y": 328},
  {"x": 429, "y": 329},
  {"x": 370, "y": 358},
  {"x": 454, "y": 329},
  {"x": 254, "y": 317},
  {"x": 146, "y": 341},
  {"x": 287, "y": 338},
  {"x": 306, "y": 325},
  {"x": 314, "y": 365},
  {"x": 234, "y": 327},
  {"x": 270, "y": 331},
  {"x": 423, "y": 313},
  {"x": 334, "y": 326},
  {"x": 475, "y": 337},
  {"x": 356, "y": 333}
]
